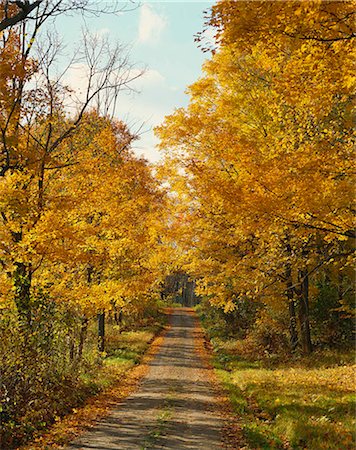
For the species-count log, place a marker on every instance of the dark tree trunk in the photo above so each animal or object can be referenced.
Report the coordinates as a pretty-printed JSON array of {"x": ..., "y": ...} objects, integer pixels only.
[
  {"x": 82, "y": 336},
  {"x": 84, "y": 324},
  {"x": 184, "y": 294},
  {"x": 190, "y": 293},
  {"x": 303, "y": 313},
  {"x": 101, "y": 332},
  {"x": 293, "y": 332},
  {"x": 71, "y": 350},
  {"x": 118, "y": 317},
  {"x": 340, "y": 287},
  {"x": 22, "y": 285}
]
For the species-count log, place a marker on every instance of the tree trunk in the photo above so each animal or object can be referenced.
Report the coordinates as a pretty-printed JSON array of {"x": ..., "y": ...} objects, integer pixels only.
[
  {"x": 293, "y": 332},
  {"x": 82, "y": 336},
  {"x": 22, "y": 285},
  {"x": 303, "y": 312},
  {"x": 118, "y": 317},
  {"x": 101, "y": 332},
  {"x": 340, "y": 288},
  {"x": 71, "y": 350}
]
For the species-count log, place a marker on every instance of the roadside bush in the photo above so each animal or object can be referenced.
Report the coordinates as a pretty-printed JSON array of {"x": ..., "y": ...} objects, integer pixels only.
[
  {"x": 39, "y": 374},
  {"x": 234, "y": 324},
  {"x": 52, "y": 365},
  {"x": 266, "y": 339},
  {"x": 332, "y": 312},
  {"x": 141, "y": 311}
]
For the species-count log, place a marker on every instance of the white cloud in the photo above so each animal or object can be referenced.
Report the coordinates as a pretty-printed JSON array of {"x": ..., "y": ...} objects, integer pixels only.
[
  {"x": 76, "y": 78},
  {"x": 151, "y": 77},
  {"x": 144, "y": 108},
  {"x": 151, "y": 25},
  {"x": 103, "y": 32},
  {"x": 147, "y": 79}
]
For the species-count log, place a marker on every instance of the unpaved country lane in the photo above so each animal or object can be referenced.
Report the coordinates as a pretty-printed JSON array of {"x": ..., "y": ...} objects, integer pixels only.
[{"x": 174, "y": 407}]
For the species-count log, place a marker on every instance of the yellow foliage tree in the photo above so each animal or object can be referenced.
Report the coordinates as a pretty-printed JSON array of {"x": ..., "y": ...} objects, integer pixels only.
[
  {"x": 264, "y": 153},
  {"x": 82, "y": 218}
]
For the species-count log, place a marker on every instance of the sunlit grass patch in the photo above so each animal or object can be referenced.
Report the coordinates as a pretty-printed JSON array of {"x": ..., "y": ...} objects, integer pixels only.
[
  {"x": 123, "y": 351},
  {"x": 308, "y": 380},
  {"x": 291, "y": 405},
  {"x": 128, "y": 346}
]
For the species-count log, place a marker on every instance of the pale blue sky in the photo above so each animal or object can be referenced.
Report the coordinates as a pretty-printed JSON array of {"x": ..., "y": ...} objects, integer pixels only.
[{"x": 161, "y": 37}]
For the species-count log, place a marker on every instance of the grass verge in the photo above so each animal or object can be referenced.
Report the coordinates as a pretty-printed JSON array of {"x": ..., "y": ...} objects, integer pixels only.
[{"x": 302, "y": 403}]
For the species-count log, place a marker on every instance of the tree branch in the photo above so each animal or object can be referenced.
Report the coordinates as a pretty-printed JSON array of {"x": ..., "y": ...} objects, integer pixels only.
[{"x": 25, "y": 9}]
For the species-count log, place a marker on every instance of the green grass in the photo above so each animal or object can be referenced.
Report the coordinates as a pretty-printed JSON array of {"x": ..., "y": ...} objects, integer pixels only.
[
  {"x": 300, "y": 403},
  {"x": 130, "y": 345},
  {"x": 123, "y": 351}
]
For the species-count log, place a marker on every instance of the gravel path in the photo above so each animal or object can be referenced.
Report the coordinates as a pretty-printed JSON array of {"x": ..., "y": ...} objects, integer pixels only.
[{"x": 173, "y": 407}]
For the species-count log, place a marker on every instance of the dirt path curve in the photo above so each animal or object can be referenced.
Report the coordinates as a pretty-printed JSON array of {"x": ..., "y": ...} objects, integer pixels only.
[{"x": 174, "y": 407}]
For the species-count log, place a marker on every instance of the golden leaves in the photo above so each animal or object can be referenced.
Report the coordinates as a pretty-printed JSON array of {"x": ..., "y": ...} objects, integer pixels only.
[
  {"x": 261, "y": 155},
  {"x": 100, "y": 211}
]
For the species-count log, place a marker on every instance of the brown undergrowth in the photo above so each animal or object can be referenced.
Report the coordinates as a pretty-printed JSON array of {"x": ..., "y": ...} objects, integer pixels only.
[
  {"x": 232, "y": 436},
  {"x": 95, "y": 408}
]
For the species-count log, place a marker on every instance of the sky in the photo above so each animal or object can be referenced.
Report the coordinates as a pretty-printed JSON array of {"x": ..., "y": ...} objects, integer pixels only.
[{"x": 160, "y": 37}]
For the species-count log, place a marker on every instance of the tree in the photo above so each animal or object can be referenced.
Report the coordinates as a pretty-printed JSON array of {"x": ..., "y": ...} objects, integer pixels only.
[
  {"x": 267, "y": 169},
  {"x": 97, "y": 242},
  {"x": 39, "y": 138},
  {"x": 38, "y": 11}
]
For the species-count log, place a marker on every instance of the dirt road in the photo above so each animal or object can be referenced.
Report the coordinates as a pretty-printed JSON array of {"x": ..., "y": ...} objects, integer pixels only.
[{"x": 174, "y": 407}]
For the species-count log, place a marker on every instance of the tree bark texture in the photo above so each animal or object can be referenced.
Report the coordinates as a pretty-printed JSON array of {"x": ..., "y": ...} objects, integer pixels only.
[{"x": 303, "y": 313}]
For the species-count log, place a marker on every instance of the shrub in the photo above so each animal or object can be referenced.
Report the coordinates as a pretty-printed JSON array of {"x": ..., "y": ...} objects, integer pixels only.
[
  {"x": 233, "y": 324},
  {"x": 332, "y": 312}
]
